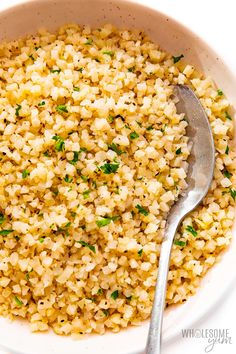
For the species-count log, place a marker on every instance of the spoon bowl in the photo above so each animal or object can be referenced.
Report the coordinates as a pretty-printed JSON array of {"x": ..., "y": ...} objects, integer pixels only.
[{"x": 199, "y": 178}]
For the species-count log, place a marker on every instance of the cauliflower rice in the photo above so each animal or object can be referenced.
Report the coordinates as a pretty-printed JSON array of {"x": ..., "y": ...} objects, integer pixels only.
[{"x": 92, "y": 156}]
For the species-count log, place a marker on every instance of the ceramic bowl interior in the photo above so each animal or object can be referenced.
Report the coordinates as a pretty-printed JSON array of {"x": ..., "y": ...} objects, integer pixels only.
[{"x": 26, "y": 18}]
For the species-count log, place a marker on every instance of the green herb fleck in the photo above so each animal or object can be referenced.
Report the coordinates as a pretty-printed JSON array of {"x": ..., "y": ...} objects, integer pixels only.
[
  {"x": 106, "y": 312},
  {"x": 55, "y": 71},
  {"x": 227, "y": 150},
  {"x": 178, "y": 151},
  {"x": 77, "y": 89},
  {"x": 5, "y": 232},
  {"x": 142, "y": 210},
  {"x": 109, "y": 168},
  {"x": 73, "y": 214},
  {"x": 89, "y": 41},
  {"x": 228, "y": 116},
  {"x": 60, "y": 144},
  {"x": 85, "y": 244},
  {"x": 94, "y": 184},
  {"x": 31, "y": 57},
  {"x": 18, "y": 110},
  {"x": 133, "y": 135},
  {"x": 100, "y": 291},
  {"x": 233, "y": 193},
  {"x": 111, "y": 118},
  {"x": 86, "y": 194},
  {"x": 80, "y": 70},
  {"x": 190, "y": 229},
  {"x": 27, "y": 275},
  {"x": 75, "y": 158},
  {"x": 55, "y": 191},
  {"x": 61, "y": 108},
  {"x": 180, "y": 243},
  {"x": 140, "y": 252},
  {"x": 25, "y": 174},
  {"x": 106, "y": 221},
  {"x": 163, "y": 128},
  {"x": 2, "y": 218},
  {"x": 115, "y": 294},
  {"x": 41, "y": 104},
  {"x": 37, "y": 48},
  {"x": 176, "y": 59},
  {"x": 108, "y": 52},
  {"x": 68, "y": 179},
  {"x": 83, "y": 150},
  {"x": 115, "y": 148},
  {"x": 220, "y": 92},
  {"x": 46, "y": 153},
  {"x": 18, "y": 301},
  {"x": 84, "y": 178},
  {"x": 131, "y": 69},
  {"x": 150, "y": 127},
  {"x": 227, "y": 174},
  {"x": 41, "y": 240}
]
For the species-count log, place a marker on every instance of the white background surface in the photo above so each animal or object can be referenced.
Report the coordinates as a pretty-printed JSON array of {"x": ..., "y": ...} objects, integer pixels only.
[{"x": 215, "y": 22}]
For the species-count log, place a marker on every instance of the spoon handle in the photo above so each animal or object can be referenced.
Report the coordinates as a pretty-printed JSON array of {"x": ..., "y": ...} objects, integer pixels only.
[{"x": 154, "y": 335}]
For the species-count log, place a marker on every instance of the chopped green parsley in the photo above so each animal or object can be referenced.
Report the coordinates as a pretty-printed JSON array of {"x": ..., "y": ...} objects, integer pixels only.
[
  {"x": 77, "y": 89},
  {"x": 75, "y": 158},
  {"x": 61, "y": 108},
  {"x": 150, "y": 127},
  {"x": 142, "y": 210},
  {"x": 18, "y": 301},
  {"x": 2, "y": 218},
  {"x": 106, "y": 221},
  {"x": 108, "y": 52},
  {"x": 106, "y": 312},
  {"x": 228, "y": 116},
  {"x": 233, "y": 193},
  {"x": 133, "y": 135},
  {"x": 68, "y": 179},
  {"x": 60, "y": 144},
  {"x": 190, "y": 229},
  {"x": 85, "y": 244},
  {"x": 109, "y": 168},
  {"x": 116, "y": 149},
  {"x": 115, "y": 294},
  {"x": 178, "y": 151},
  {"x": 25, "y": 174},
  {"x": 140, "y": 252},
  {"x": 18, "y": 108},
  {"x": 55, "y": 71},
  {"x": 86, "y": 194},
  {"x": 176, "y": 59},
  {"x": 5, "y": 232},
  {"x": 227, "y": 174},
  {"x": 131, "y": 69},
  {"x": 180, "y": 243},
  {"x": 89, "y": 41}
]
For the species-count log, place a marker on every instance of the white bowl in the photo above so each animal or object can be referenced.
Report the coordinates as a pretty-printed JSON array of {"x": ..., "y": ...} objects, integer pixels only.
[{"x": 27, "y": 18}]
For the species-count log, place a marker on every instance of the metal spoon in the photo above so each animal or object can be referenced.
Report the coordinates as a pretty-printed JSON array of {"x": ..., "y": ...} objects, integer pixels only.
[{"x": 199, "y": 177}]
